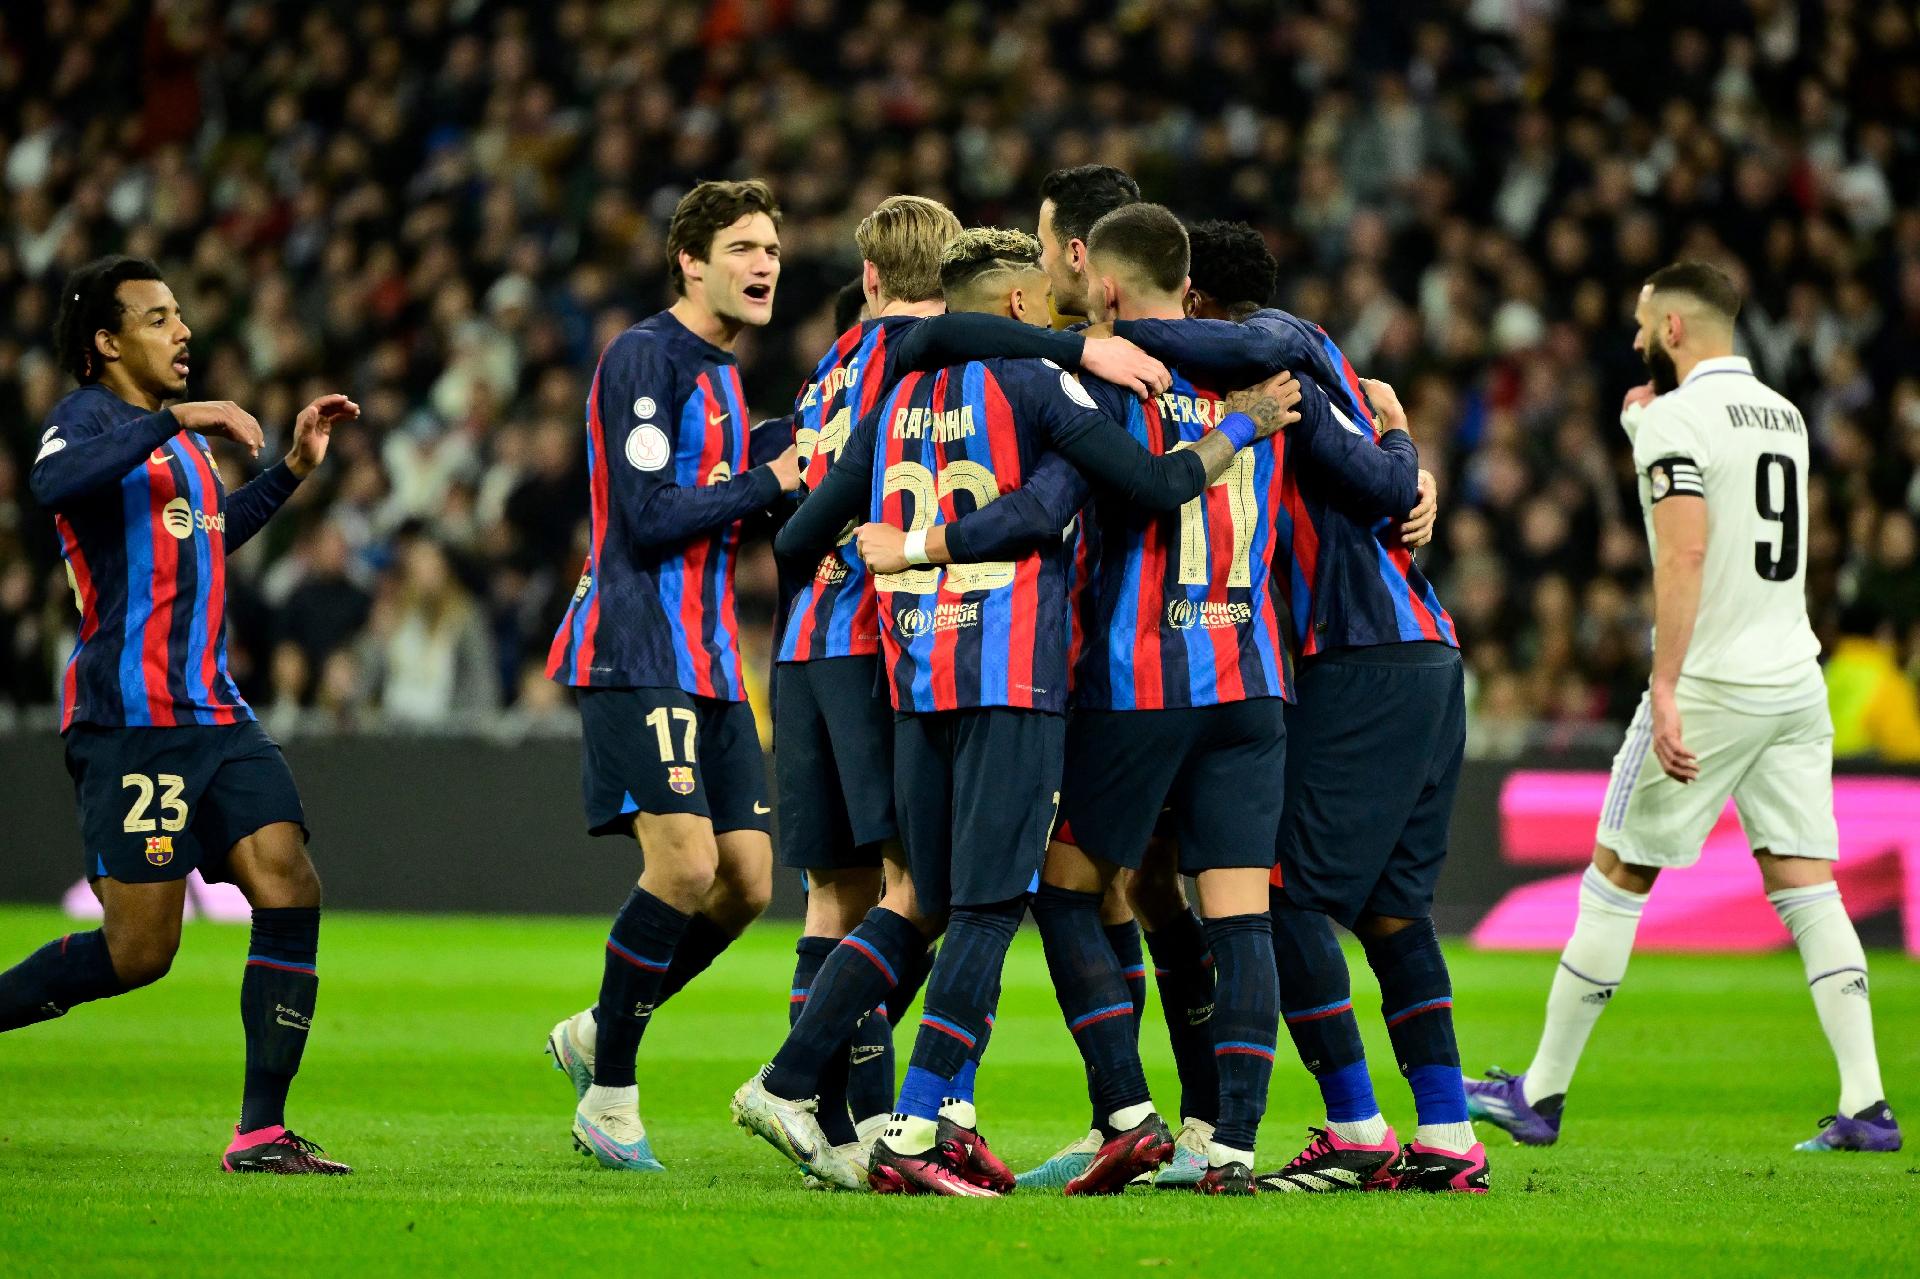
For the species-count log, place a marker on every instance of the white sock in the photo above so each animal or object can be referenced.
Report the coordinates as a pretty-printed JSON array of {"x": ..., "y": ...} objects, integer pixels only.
[
  {"x": 583, "y": 1028},
  {"x": 961, "y": 1112},
  {"x": 600, "y": 1100},
  {"x": 871, "y": 1127},
  {"x": 1837, "y": 974},
  {"x": 1455, "y": 1139},
  {"x": 1591, "y": 969},
  {"x": 1363, "y": 1132},
  {"x": 1130, "y": 1116},
  {"x": 911, "y": 1135},
  {"x": 1219, "y": 1156}
]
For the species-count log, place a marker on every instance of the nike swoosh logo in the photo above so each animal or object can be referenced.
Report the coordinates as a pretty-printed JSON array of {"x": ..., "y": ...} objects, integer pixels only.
[
  {"x": 759, "y": 809},
  {"x": 715, "y": 419},
  {"x": 861, "y": 1056},
  {"x": 296, "y": 1025}
]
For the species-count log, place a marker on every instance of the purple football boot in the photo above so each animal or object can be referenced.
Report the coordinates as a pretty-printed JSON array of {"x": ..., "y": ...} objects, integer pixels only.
[
  {"x": 1501, "y": 1100},
  {"x": 1873, "y": 1129}
]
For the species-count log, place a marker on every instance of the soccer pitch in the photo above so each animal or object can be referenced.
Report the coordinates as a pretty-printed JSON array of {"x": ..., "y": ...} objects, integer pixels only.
[{"x": 426, "y": 1074}]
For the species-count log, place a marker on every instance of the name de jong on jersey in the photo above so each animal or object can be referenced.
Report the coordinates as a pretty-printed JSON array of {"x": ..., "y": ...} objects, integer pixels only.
[
  {"x": 147, "y": 560},
  {"x": 668, "y": 453},
  {"x": 1181, "y": 607},
  {"x": 833, "y": 612}
]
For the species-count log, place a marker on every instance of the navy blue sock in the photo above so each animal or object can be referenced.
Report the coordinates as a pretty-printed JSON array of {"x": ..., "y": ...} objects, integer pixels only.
[
  {"x": 810, "y": 953},
  {"x": 1316, "y": 1003},
  {"x": 961, "y": 993},
  {"x": 61, "y": 974},
  {"x": 856, "y": 977},
  {"x": 1416, "y": 998},
  {"x": 871, "y": 1070},
  {"x": 699, "y": 946},
  {"x": 1093, "y": 997},
  {"x": 276, "y": 1008},
  {"x": 1246, "y": 1022},
  {"x": 639, "y": 952},
  {"x": 1125, "y": 940},
  {"x": 1183, "y": 971}
]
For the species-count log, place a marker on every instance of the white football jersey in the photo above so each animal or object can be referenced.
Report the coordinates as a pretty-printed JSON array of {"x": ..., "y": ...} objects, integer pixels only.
[{"x": 1726, "y": 436}]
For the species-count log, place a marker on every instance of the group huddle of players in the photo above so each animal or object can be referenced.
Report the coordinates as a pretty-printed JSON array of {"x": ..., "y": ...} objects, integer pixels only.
[
  {"x": 1070, "y": 615},
  {"x": 1053, "y": 604}
]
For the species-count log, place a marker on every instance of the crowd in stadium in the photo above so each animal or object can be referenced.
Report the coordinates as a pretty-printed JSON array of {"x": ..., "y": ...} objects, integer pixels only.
[{"x": 446, "y": 208}]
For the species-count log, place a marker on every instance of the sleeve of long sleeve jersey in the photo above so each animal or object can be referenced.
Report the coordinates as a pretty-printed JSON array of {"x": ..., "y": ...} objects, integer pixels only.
[
  {"x": 83, "y": 456},
  {"x": 1014, "y": 523},
  {"x": 250, "y": 506},
  {"x": 941, "y": 341},
  {"x": 639, "y": 451},
  {"x": 1367, "y": 479},
  {"x": 1074, "y": 425},
  {"x": 1216, "y": 352}
]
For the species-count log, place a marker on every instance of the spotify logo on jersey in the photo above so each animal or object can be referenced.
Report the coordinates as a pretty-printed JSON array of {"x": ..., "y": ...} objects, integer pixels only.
[{"x": 177, "y": 515}]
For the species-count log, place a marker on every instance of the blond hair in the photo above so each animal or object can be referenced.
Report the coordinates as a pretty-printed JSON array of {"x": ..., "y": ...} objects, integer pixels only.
[{"x": 903, "y": 237}]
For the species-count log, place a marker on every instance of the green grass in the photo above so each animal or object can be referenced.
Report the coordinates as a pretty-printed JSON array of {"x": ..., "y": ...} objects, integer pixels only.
[{"x": 425, "y": 1072}]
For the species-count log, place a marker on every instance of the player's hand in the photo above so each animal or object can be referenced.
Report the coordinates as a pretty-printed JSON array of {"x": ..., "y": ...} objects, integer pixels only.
[
  {"x": 1104, "y": 329},
  {"x": 222, "y": 418},
  {"x": 1418, "y": 530},
  {"x": 1679, "y": 763},
  {"x": 313, "y": 431},
  {"x": 883, "y": 547},
  {"x": 1120, "y": 362},
  {"x": 786, "y": 468},
  {"x": 1271, "y": 404},
  {"x": 1638, "y": 398},
  {"x": 1385, "y": 403}
]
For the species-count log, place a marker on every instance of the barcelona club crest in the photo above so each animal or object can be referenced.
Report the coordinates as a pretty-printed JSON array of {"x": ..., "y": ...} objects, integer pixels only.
[
  {"x": 680, "y": 779},
  {"x": 159, "y": 849}
]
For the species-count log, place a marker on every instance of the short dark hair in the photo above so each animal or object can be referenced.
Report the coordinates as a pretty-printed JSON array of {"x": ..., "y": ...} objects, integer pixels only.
[
  {"x": 1231, "y": 264},
  {"x": 1083, "y": 195},
  {"x": 847, "y": 304},
  {"x": 1147, "y": 237},
  {"x": 706, "y": 211},
  {"x": 1701, "y": 281},
  {"x": 91, "y": 302}
]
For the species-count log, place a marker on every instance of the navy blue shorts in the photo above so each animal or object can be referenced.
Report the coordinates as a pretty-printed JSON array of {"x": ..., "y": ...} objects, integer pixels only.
[
  {"x": 1374, "y": 759},
  {"x": 158, "y": 803},
  {"x": 1218, "y": 771},
  {"x": 663, "y": 750},
  {"x": 832, "y": 762},
  {"x": 978, "y": 793}
]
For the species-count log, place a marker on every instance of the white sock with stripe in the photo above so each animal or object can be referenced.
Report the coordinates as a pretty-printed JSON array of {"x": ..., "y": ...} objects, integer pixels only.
[
  {"x": 1837, "y": 975},
  {"x": 1591, "y": 969}
]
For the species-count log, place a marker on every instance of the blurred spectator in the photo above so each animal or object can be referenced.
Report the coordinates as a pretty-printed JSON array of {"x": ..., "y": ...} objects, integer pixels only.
[
  {"x": 1876, "y": 708},
  {"x": 446, "y": 208}
]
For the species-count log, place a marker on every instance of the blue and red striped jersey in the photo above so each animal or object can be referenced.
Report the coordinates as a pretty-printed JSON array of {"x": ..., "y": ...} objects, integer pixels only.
[
  {"x": 1349, "y": 581},
  {"x": 669, "y": 480},
  {"x": 832, "y": 613},
  {"x": 145, "y": 525},
  {"x": 1182, "y": 607},
  {"x": 990, "y": 634}
]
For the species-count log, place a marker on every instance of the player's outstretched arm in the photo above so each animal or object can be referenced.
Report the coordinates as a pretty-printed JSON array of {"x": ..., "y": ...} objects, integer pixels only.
[
  {"x": 1368, "y": 480},
  {"x": 941, "y": 341},
  {"x": 1030, "y": 516},
  {"x": 1106, "y": 453},
  {"x": 843, "y": 496},
  {"x": 1214, "y": 352},
  {"x": 254, "y": 503},
  {"x": 82, "y": 457}
]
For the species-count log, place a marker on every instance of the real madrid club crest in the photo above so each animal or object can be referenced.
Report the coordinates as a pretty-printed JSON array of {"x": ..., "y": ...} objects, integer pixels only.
[
  {"x": 159, "y": 849},
  {"x": 680, "y": 779}
]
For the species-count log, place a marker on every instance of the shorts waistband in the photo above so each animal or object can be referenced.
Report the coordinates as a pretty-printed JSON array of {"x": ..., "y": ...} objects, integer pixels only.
[{"x": 1411, "y": 653}]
